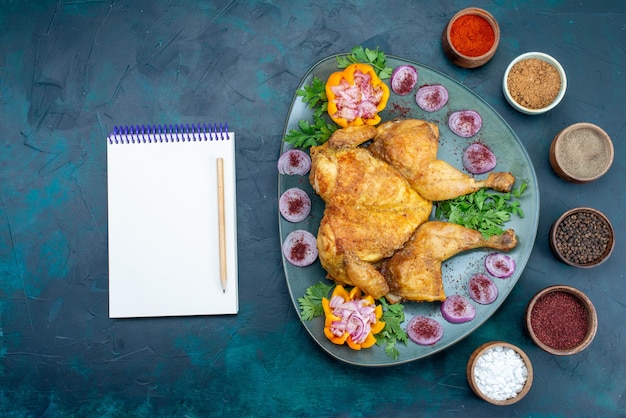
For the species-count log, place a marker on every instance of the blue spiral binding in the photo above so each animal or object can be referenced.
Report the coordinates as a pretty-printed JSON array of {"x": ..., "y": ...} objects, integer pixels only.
[{"x": 163, "y": 133}]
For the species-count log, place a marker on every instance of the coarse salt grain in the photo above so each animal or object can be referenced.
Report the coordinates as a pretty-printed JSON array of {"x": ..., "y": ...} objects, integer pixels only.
[{"x": 500, "y": 373}]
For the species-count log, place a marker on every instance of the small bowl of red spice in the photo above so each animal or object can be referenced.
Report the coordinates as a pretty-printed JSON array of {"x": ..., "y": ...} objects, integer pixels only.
[
  {"x": 582, "y": 237},
  {"x": 534, "y": 83},
  {"x": 561, "y": 320},
  {"x": 471, "y": 37}
]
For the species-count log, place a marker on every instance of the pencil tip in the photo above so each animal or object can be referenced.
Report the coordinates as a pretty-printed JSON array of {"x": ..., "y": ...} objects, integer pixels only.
[{"x": 224, "y": 290}]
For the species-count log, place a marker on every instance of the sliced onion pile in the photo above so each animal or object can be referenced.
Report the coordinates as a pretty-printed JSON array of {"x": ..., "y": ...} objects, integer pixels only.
[
  {"x": 465, "y": 123},
  {"x": 358, "y": 100},
  {"x": 294, "y": 204},
  {"x": 300, "y": 248},
  {"x": 500, "y": 265},
  {"x": 294, "y": 162},
  {"x": 356, "y": 318},
  {"x": 424, "y": 330},
  {"x": 478, "y": 159},
  {"x": 403, "y": 79},
  {"x": 457, "y": 309},
  {"x": 482, "y": 289},
  {"x": 431, "y": 97}
]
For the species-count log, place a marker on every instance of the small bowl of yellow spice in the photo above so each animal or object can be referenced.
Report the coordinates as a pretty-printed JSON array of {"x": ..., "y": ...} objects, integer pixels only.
[{"x": 534, "y": 83}]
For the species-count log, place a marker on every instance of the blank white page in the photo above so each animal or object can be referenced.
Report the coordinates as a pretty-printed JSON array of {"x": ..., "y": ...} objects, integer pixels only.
[{"x": 163, "y": 228}]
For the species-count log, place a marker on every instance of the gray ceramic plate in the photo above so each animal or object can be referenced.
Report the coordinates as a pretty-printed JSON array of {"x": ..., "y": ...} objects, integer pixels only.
[{"x": 512, "y": 156}]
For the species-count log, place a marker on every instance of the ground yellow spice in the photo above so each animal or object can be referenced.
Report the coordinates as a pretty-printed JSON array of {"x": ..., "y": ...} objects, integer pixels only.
[{"x": 533, "y": 83}]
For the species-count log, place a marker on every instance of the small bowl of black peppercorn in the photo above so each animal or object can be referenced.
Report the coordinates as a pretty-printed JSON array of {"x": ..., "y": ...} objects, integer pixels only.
[{"x": 582, "y": 237}]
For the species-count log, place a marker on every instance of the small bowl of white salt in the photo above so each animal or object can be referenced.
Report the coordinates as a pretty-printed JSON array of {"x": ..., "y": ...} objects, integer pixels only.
[{"x": 499, "y": 373}]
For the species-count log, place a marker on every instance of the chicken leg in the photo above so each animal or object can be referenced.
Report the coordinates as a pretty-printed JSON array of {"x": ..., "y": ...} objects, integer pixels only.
[
  {"x": 411, "y": 147},
  {"x": 414, "y": 273}
]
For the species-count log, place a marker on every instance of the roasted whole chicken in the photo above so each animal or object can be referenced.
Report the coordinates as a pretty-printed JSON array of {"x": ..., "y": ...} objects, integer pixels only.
[{"x": 375, "y": 232}]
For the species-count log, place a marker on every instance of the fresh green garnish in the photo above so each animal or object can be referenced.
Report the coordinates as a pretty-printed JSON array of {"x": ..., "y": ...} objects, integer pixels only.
[
  {"x": 375, "y": 58},
  {"x": 309, "y": 134},
  {"x": 315, "y": 95},
  {"x": 393, "y": 316},
  {"x": 318, "y": 132},
  {"x": 311, "y": 302},
  {"x": 483, "y": 210}
]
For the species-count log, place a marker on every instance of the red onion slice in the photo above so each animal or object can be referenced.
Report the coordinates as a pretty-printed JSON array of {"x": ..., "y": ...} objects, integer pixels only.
[
  {"x": 294, "y": 204},
  {"x": 482, "y": 289},
  {"x": 403, "y": 79},
  {"x": 424, "y": 330},
  {"x": 500, "y": 265},
  {"x": 465, "y": 123},
  {"x": 478, "y": 159},
  {"x": 294, "y": 161},
  {"x": 457, "y": 309},
  {"x": 431, "y": 97},
  {"x": 300, "y": 248}
]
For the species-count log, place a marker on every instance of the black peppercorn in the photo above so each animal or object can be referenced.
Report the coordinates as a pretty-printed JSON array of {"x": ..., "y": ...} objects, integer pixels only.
[{"x": 582, "y": 237}]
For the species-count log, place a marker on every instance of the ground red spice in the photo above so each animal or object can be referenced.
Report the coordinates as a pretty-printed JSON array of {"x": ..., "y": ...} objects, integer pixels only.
[
  {"x": 425, "y": 329},
  {"x": 472, "y": 35},
  {"x": 559, "y": 320},
  {"x": 295, "y": 205},
  {"x": 294, "y": 159},
  {"x": 299, "y": 250},
  {"x": 402, "y": 111}
]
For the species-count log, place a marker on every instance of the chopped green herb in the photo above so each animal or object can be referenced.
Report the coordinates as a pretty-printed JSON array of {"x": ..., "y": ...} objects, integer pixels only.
[
  {"x": 392, "y": 333},
  {"x": 375, "y": 58},
  {"x": 315, "y": 95},
  {"x": 309, "y": 134},
  {"x": 311, "y": 302},
  {"x": 483, "y": 210}
]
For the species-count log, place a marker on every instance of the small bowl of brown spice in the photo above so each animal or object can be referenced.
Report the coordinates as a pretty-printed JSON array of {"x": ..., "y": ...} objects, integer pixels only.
[
  {"x": 581, "y": 153},
  {"x": 534, "y": 83},
  {"x": 561, "y": 320},
  {"x": 582, "y": 237}
]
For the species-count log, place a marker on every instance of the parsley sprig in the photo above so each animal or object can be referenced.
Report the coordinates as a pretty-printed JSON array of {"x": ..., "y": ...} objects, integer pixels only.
[
  {"x": 374, "y": 57},
  {"x": 311, "y": 302},
  {"x": 483, "y": 210},
  {"x": 392, "y": 333}
]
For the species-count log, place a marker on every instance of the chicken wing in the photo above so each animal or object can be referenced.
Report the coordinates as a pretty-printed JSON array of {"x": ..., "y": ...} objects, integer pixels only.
[
  {"x": 411, "y": 146},
  {"x": 414, "y": 272}
]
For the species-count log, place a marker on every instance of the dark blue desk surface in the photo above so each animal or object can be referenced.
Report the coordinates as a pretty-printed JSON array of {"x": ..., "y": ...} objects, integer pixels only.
[{"x": 71, "y": 70}]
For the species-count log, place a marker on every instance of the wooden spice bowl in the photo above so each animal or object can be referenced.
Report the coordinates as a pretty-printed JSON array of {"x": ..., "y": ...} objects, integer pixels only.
[
  {"x": 581, "y": 153},
  {"x": 472, "y": 372},
  {"x": 524, "y": 86},
  {"x": 559, "y": 307},
  {"x": 582, "y": 237},
  {"x": 477, "y": 54}
]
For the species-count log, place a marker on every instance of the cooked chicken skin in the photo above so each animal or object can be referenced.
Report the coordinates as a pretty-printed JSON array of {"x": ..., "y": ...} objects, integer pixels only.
[
  {"x": 411, "y": 146},
  {"x": 371, "y": 210},
  {"x": 414, "y": 272},
  {"x": 376, "y": 199}
]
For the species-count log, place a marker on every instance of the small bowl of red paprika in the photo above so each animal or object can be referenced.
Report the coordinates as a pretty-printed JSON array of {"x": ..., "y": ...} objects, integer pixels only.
[
  {"x": 471, "y": 37},
  {"x": 561, "y": 320}
]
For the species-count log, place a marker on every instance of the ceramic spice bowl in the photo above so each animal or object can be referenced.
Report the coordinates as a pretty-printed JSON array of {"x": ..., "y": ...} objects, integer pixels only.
[
  {"x": 561, "y": 320},
  {"x": 581, "y": 153},
  {"x": 499, "y": 373},
  {"x": 471, "y": 37},
  {"x": 582, "y": 237},
  {"x": 534, "y": 83}
]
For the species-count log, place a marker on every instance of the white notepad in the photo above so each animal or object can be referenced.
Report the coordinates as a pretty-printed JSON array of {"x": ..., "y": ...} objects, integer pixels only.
[{"x": 164, "y": 257}]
